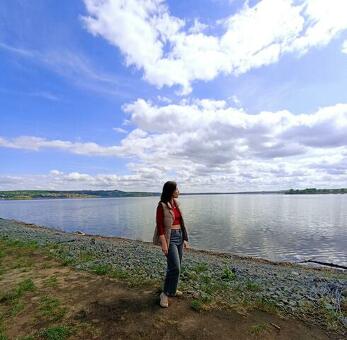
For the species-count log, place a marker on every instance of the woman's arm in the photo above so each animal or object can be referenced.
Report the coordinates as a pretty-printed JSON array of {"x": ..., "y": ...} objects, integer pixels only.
[{"x": 161, "y": 231}]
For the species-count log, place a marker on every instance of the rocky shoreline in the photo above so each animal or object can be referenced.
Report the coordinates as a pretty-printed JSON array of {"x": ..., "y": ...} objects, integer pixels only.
[{"x": 314, "y": 294}]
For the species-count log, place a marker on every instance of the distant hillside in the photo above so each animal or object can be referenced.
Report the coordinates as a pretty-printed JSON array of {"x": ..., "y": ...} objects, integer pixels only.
[
  {"x": 44, "y": 194},
  {"x": 52, "y": 194},
  {"x": 317, "y": 191}
]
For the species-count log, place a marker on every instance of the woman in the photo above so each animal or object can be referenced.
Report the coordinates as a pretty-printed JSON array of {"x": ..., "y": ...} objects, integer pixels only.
[{"x": 171, "y": 234}]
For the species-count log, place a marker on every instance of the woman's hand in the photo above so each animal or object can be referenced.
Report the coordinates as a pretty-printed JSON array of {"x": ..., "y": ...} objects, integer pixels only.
[
  {"x": 186, "y": 245},
  {"x": 164, "y": 248}
]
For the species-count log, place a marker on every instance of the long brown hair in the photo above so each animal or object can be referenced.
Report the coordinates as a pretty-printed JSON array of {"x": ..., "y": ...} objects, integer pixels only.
[{"x": 168, "y": 190}]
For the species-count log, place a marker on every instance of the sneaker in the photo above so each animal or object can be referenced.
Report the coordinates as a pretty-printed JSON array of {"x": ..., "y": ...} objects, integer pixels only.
[
  {"x": 178, "y": 293},
  {"x": 164, "y": 300}
]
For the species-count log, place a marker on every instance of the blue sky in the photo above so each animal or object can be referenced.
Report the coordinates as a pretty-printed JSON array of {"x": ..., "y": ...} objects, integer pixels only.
[{"x": 221, "y": 96}]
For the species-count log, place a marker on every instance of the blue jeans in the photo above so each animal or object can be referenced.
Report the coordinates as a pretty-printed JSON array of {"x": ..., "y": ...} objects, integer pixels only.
[{"x": 174, "y": 259}]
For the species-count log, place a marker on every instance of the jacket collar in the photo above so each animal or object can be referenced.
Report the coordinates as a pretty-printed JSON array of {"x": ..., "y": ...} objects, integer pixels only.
[
  {"x": 176, "y": 204},
  {"x": 171, "y": 208},
  {"x": 170, "y": 205}
]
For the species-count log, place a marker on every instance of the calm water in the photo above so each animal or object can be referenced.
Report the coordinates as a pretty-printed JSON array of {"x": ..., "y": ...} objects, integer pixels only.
[{"x": 276, "y": 227}]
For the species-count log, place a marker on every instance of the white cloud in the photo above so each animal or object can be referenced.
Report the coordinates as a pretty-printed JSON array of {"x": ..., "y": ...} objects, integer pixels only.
[
  {"x": 245, "y": 176},
  {"x": 37, "y": 143},
  {"x": 58, "y": 180},
  {"x": 208, "y": 143},
  {"x": 197, "y": 27},
  {"x": 324, "y": 20},
  {"x": 164, "y": 99},
  {"x": 170, "y": 54},
  {"x": 120, "y": 130},
  {"x": 213, "y": 133}
]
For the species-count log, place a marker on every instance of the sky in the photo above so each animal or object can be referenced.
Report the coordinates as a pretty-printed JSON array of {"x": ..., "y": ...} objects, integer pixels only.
[{"x": 218, "y": 95}]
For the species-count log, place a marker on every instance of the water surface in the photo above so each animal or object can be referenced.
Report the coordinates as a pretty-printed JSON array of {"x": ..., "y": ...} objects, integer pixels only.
[{"x": 276, "y": 227}]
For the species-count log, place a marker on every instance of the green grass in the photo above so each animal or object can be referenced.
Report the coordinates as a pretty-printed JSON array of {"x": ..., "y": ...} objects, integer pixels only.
[
  {"x": 119, "y": 273},
  {"x": 2, "y": 328},
  {"x": 266, "y": 305},
  {"x": 228, "y": 275},
  {"x": 9, "y": 243},
  {"x": 68, "y": 261},
  {"x": 252, "y": 286},
  {"x": 56, "y": 333},
  {"x": 52, "y": 281},
  {"x": 25, "y": 286},
  {"x": 22, "y": 262},
  {"x": 86, "y": 256},
  {"x": 102, "y": 269},
  {"x": 197, "y": 305},
  {"x": 19, "y": 250},
  {"x": 188, "y": 275},
  {"x": 50, "y": 309},
  {"x": 52, "y": 246},
  {"x": 329, "y": 314},
  {"x": 258, "y": 329},
  {"x": 61, "y": 253},
  {"x": 13, "y": 295},
  {"x": 16, "y": 308},
  {"x": 200, "y": 267},
  {"x": 202, "y": 302}
]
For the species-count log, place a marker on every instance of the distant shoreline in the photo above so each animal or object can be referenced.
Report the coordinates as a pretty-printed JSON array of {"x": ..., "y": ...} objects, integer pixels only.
[{"x": 68, "y": 194}]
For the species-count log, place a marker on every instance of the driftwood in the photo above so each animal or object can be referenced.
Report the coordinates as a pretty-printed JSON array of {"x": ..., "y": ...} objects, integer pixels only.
[
  {"x": 276, "y": 326},
  {"x": 324, "y": 264}
]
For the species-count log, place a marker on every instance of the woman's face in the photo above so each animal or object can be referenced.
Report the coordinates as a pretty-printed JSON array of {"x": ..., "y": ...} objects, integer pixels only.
[{"x": 176, "y": 193}]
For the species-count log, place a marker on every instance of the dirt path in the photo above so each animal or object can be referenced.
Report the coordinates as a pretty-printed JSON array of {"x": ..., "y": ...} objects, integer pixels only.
[{"x": 55, "y": 299}]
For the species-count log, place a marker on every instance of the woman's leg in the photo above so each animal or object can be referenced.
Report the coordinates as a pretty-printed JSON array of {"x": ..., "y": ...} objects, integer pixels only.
[
  {"x": 180, "y": 251},
  {"x": 174, "y": 258}
]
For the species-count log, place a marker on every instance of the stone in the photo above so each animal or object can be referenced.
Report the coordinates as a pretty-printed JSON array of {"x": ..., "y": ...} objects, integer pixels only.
[
  {"x": 329, "y": 306},
  {"x": 344, "y": 321}
]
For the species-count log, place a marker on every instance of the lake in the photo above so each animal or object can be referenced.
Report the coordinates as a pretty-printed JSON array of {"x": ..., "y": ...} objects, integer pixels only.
[{"x": 275, "y": 227}]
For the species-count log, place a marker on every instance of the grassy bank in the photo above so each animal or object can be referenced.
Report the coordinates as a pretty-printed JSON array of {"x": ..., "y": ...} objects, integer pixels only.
[{"x": 64, "y": 289}]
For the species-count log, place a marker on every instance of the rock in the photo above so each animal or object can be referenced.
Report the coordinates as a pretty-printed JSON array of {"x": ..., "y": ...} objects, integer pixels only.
[
  {"x": 344, "y": 321},
  {"x": 329, "y": 306},
  {"x": 310, "y": 298},
  {"x": 301, "y": 303}
]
